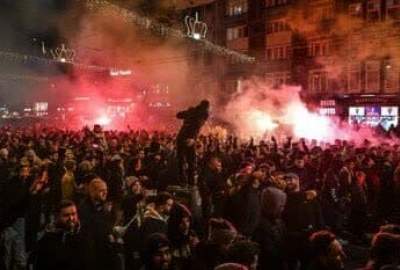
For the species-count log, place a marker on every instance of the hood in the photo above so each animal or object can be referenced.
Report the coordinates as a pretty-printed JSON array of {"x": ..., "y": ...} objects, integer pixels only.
[{"x": 273, "y": 201}]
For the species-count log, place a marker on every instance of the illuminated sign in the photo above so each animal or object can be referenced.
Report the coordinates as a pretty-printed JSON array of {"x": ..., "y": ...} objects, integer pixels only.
[{"x": 386, "y": 116}]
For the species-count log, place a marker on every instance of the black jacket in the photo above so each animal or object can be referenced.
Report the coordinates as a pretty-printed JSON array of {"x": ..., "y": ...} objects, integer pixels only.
[
  {"x": 96, "y": 227},
  {"x": 60, "y": 250},
  {"x": 249, "y": 208},
  {"x": 193, "y": 120},
  {"x": 153, "y": 223},
  {"x": 15, "y": 201},
  {"x": 270, "y": 235},
  {"x": 302, "y": 215}
]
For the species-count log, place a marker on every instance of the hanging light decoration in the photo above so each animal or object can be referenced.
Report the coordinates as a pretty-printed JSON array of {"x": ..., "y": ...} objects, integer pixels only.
[{"x": 195, "y": 29}]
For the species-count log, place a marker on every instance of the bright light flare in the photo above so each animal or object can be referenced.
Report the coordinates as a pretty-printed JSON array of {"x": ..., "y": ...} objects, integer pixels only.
[
  {"x": 307, "y": 124},
  {"x": 103, "y": 120},
  {"x": 260, "y": 121},
  {"x": 196, "y": 36}
]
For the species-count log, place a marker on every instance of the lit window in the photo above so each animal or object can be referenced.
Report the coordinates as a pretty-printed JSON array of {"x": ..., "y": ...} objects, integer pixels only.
[
  {"x": 236, "y": 32},
  {"x": 236, "y": 7}
]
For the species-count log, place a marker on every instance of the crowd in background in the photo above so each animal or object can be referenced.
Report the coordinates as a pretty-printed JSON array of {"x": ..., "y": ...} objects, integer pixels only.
[{"x": 94, "y": 199}]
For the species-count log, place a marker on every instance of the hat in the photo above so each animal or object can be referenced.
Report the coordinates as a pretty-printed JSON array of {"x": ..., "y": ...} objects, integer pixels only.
[{"x": 273, "y": 200}]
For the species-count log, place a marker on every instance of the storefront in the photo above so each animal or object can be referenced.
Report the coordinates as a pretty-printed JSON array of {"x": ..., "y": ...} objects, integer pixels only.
[{"x": 371, "y": 110}]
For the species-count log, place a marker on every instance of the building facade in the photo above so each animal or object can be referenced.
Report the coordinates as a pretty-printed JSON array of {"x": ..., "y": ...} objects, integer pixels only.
[{"x": 345, "y": 54}]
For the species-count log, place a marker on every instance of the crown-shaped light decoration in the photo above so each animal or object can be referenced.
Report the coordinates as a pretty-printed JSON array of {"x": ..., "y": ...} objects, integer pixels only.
[
  {"x": 195, "y": 29},
  {"x": 63, "y": 54}
]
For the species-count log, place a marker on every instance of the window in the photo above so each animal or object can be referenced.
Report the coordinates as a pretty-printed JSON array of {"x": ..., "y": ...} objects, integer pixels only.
[
  {"x": 236, "y": 7},
  {"x": 318, "y": 81},
  {"x": 236, "y": 32},
  {"x": 277, "y": 26},
  {"x": 321, "y": 13},
  {"x": 278, "y": 52},
  {"x": 272, "y": 3},
  {"x": 277, "y": 79},
  {"x": 393, "y": 3},
  {"x": 391, "y": 79},
  {"x": 393, "y": 9},
  {"x": 372, "y": 76},
  {"x": 373, "y": 10},
  {"x": 354, "y": 78},
  {"x": 318, "y": 48},
  {"x": 355, "y": 9}
]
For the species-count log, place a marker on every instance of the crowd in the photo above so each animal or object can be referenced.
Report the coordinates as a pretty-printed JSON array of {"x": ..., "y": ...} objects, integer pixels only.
[{"x": 95, "y": 199}]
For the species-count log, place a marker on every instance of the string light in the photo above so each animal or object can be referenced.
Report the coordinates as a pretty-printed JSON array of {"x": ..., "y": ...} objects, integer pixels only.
[
  {"x": 17, "y": 57},
  {"x": 163, "y": 30}
]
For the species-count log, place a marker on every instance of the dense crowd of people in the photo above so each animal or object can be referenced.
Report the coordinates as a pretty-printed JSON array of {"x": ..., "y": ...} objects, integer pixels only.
[{"x": 94, "y": 199}]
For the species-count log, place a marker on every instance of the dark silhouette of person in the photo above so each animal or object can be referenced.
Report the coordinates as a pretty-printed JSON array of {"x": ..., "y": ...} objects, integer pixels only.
[{"x": 193, "y": 119}]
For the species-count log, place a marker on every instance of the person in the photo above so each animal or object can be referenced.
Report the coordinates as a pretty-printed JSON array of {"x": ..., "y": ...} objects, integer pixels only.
[
  {"x": 97, "y": 222},
  {"x": 358, "y": 206},
  {"x": 68, "y": 184},
  {"x": 270, "y": 231},
  {"x": 114, "y": 179},
  {"x": 385, "y": 252},
  {"x": 193, "y": 119},
  {"x": 246, "y": 253},
  {"x": 326, "y": 252},
  {"x": 213, "y": 250},
  {"x": 212, "y": 188},
  {"x": 249, "y": 209},
  {"x": 12, "y": 218},
  {"x": 302, "y": 216},
  {"x": 62, "y": 245},
  {"x": 157, "y": 253},
  {"x": 133, "y": 207},
  {"x": 155, "y": 219},
  {"x": 182, "y": 236}
]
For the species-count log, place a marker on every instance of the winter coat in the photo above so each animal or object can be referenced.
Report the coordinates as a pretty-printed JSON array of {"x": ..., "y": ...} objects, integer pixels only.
[
  {"x": 302, "y": 215},
  {"x": 96, "y": 226},
  {"x": 16, "y": 201},
  {"x": 270, "y": 235},
  {"x": 153, "y": 223},
  {"x": 60, "y": 250},
  {"x": 270, "y": 231},
  {"x": 249, "y": 210},
  {"x": 193, "y": 120}
]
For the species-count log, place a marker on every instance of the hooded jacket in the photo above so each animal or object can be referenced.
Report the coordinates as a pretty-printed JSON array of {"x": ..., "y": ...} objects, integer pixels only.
[{"x": 270, "y": 232}]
